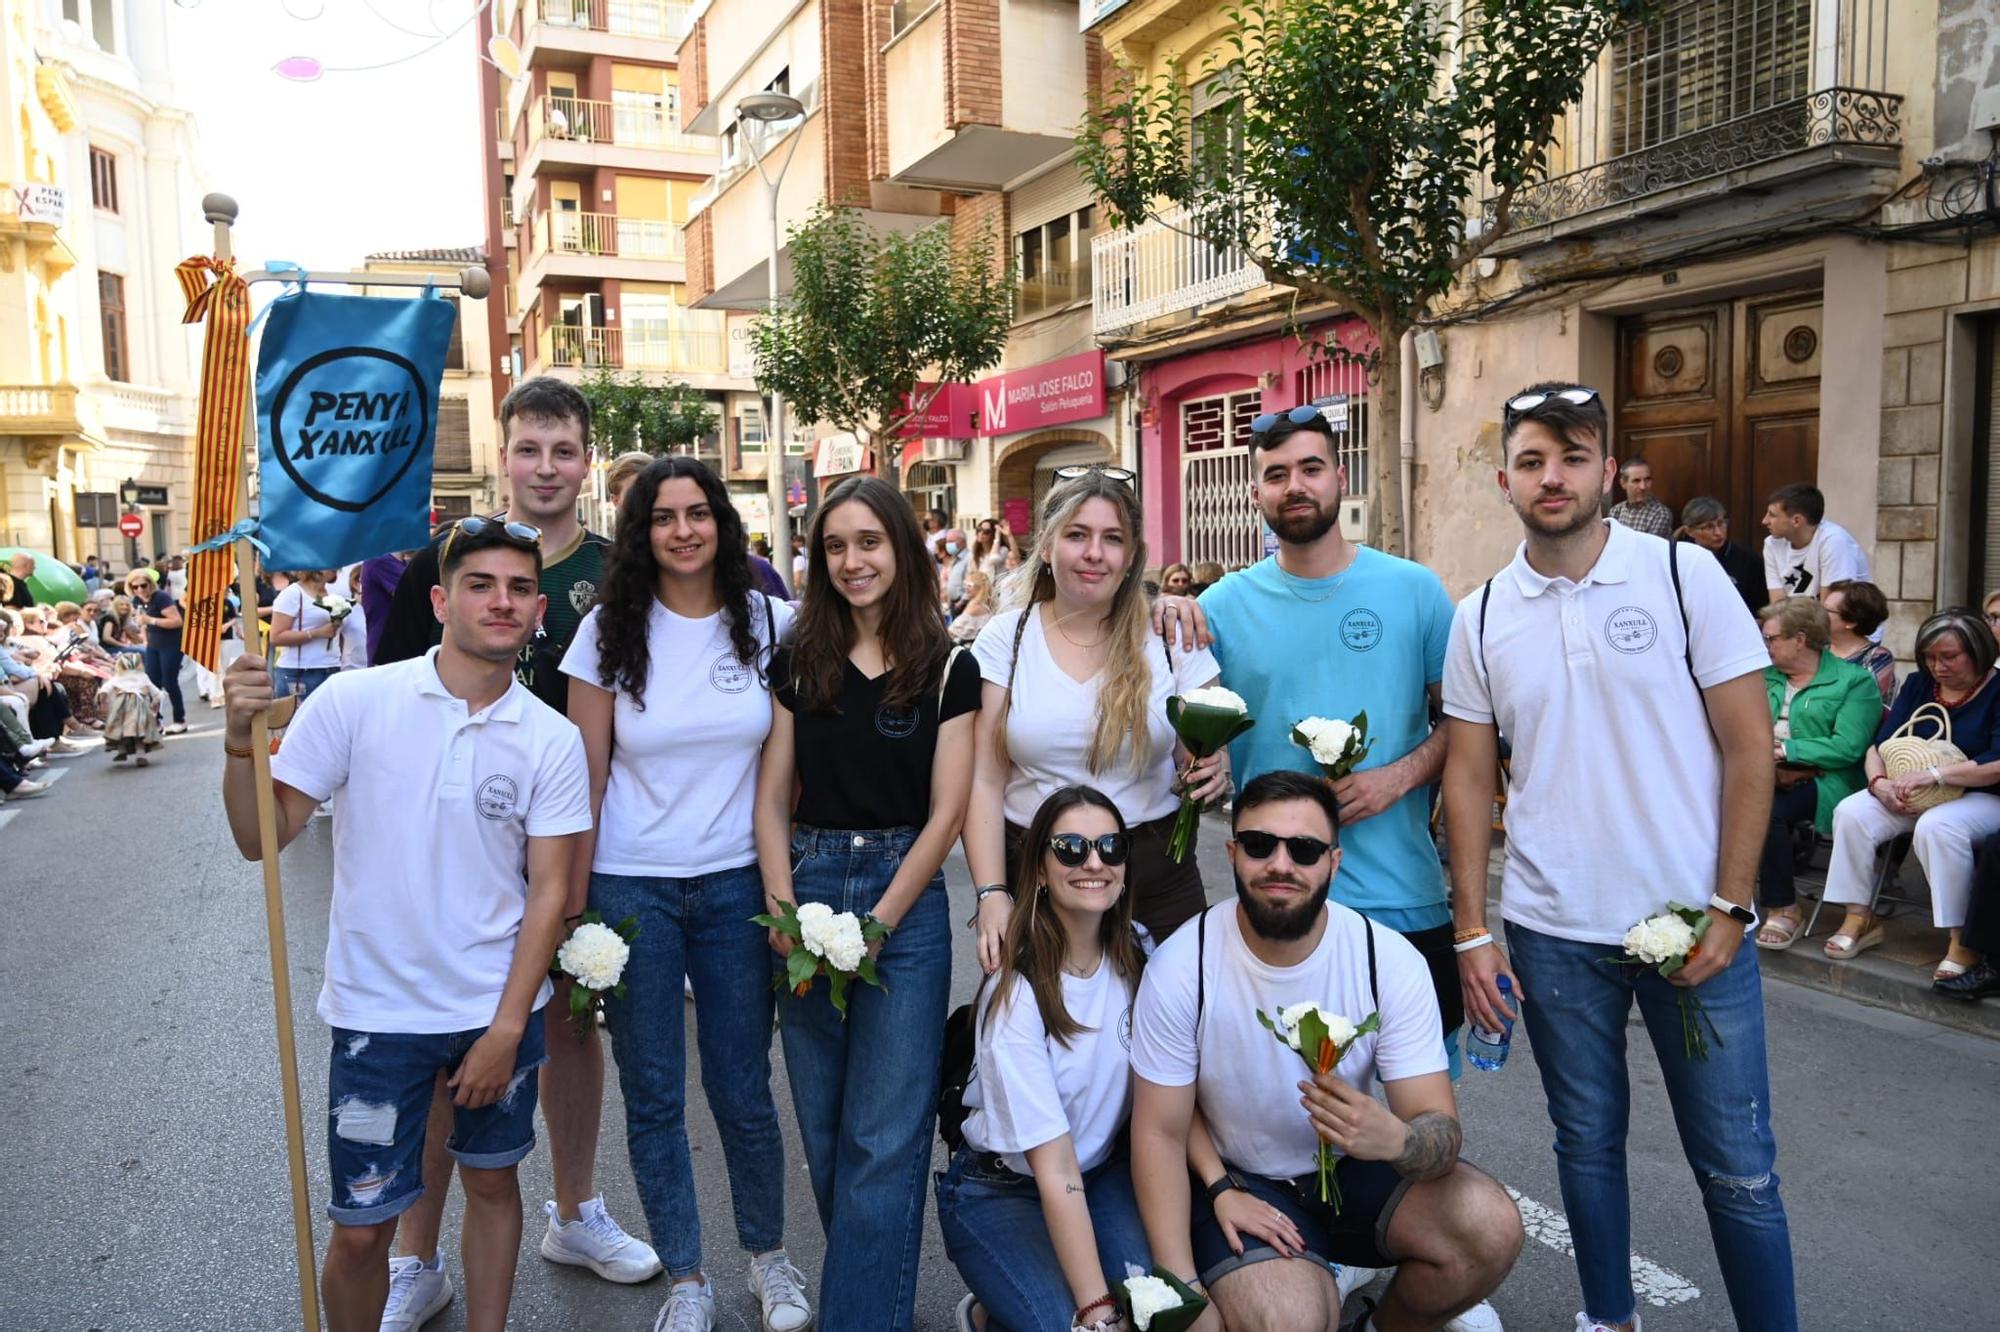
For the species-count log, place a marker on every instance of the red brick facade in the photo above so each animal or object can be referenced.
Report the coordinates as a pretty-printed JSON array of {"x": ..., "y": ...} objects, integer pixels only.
[
  {"x": 843, "y": 99},
  {"x": 982, "y": 216},
  {"x": 700, "y": 232},
  {"x": 694, "y": 73},
  {"x": 972, "y": 62}
]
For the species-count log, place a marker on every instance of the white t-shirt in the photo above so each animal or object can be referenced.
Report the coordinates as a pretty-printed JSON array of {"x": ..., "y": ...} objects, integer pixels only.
[
  {"x": 433, "y": 809},
  {"x": 1027, "y": 1089},
  {"x": 1832, "y": 556},
  {"x": 1052, "y": 719},
  {"x": 1615, "y": 802},
  {"x": 315, "y": 654},
  {"x": 1246, "y": 1080},
  {"x": 683, "y": 778}
]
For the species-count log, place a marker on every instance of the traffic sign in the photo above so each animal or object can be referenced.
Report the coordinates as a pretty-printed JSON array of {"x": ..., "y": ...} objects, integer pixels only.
[{"x": 131, "y": 525}]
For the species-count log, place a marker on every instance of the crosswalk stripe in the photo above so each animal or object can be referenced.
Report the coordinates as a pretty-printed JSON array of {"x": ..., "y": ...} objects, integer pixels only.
[{"x": 1652, "y": 1283}]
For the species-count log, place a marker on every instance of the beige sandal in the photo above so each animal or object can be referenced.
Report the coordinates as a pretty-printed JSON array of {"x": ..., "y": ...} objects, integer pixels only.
[
  {"x": 1780, "y": 931},
  {"x": 1844, "y": 947}
]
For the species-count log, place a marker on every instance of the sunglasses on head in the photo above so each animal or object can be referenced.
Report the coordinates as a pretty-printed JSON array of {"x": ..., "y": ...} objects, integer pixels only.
[
  {"x": 519, "y": 533},
  {"x": 1521, "y": 404},
  {"x": 1298, "y": 416},
  {"x": 1072, "y": 849},
  {"x": 1263, "y": 845},
  {"x": 1075, "y": 470}
]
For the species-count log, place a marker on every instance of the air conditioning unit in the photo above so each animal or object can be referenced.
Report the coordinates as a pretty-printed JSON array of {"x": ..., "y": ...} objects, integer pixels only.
[{"x": 1354, "y": 518}]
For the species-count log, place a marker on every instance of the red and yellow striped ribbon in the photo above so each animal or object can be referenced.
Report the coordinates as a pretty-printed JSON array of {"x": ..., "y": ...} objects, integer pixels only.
[{"x": 214, "y": 292}]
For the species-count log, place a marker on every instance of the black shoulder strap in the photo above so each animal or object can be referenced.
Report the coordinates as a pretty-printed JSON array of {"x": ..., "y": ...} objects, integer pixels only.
[
  {"x": 1485, "y": 595},
  {"x": 1680, "y": 602},
  {"x": 1200, "y": 980},
  {"x": 1374, "y": 989},
  {"x": 1020, "y": 630}
]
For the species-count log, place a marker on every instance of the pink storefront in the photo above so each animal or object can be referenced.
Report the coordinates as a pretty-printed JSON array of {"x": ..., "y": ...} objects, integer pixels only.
[{"x": 1195, "y": 414}]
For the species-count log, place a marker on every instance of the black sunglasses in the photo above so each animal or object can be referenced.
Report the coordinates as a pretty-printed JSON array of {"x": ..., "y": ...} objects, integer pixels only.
[
  {"x": 520, "y": 533},
  {"x": 1521, "y": 404},
  {"x": 1298, "y": 416},
  {"x": 1072, "y": 849},
  {"x": 1262, "y": 846},
  {"x": 1075, "y": 470}
]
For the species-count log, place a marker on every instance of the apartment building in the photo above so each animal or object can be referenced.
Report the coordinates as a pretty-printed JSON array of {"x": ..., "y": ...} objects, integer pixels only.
[{"x": 102, "y": 200}]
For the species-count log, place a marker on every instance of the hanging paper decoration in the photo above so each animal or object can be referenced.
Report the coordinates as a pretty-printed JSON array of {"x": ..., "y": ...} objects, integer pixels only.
[
  {"x": 299, "y": 69},
  {"x": 506, "y": 56},
  {"x": 501, "y": 52}
]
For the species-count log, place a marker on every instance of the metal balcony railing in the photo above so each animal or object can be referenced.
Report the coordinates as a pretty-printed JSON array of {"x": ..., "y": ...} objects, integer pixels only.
[
  {"x": 694, "y": 343},
  {"x": 1056, "y": 285},
  {"x": 608, "y": 234},
  {"x": 1156, "y": 269},
  {"x": 625, "y": 18},
  {"x": 1712, "y": 86},
  {"x": 577, "y": 119},
  {"x": 578, "y": 345}
]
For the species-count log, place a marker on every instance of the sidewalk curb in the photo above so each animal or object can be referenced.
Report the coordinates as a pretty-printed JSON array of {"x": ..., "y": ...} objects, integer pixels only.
[{"x": 1880, "y": 983}]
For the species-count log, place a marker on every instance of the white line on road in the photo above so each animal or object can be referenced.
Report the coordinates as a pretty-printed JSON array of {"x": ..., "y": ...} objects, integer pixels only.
[{"x": 1652, "y": 1283}]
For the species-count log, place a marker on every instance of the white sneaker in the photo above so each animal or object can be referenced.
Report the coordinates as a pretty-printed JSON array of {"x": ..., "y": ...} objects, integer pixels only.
[
  {"x": 1481, "y": 1317},
  {"x": 1584, "y": 1323},
  {"x": 599, "y": 1243},
  {"x": 1351, "y": 1279},
  {"x": 781, "y": 1289},
  {"x": 965, "y": 1308},
  {"x": 417, "y": 1294},
  {"x": 690, "y": 1308},
  {"x": 36, "y": 748},
  {"x": 25, "y": 788}
]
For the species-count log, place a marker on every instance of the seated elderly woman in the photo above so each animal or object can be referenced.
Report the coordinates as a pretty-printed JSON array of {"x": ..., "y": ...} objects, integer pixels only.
[
  {"x": 1955, "y": 656},
  {"x": 1855, "y": 610},
  {"x": 1824, "y": 712}
]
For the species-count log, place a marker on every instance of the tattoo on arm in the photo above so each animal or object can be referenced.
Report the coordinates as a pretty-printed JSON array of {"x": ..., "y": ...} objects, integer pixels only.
[
  {"x": 1432, "y": 1149},
  {"x": 1072, "y": 1187}
]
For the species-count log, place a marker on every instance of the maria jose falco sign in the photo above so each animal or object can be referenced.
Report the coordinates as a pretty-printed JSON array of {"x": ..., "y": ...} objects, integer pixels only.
[{"x": 347, "y": 394}]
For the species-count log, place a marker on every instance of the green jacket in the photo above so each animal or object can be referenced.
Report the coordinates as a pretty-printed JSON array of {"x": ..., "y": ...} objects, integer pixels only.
[{"x": 1833, "y": 723}]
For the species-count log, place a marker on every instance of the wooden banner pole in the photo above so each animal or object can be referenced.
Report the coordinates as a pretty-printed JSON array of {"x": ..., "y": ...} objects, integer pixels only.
[{"x": 221, "y": 210}]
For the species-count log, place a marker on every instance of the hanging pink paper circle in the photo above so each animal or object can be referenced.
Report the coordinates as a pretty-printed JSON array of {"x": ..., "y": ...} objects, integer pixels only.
[
  {"x": 505, "y": 55},
  {"x": 299, "y": 69}
]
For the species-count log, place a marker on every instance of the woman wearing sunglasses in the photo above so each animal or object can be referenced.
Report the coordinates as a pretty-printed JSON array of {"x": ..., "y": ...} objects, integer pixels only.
[
  {"x": 306, "y": 636},
  {"x": 1037, "y": 1209},
  {"x": 871, "y": 726},
  {"x": 1076, "y": 689},
  {"x": 669, "y": 685}
]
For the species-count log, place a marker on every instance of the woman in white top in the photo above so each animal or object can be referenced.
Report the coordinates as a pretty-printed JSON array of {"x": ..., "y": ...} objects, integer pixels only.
[
  {"x": 1076, "y": 689},
  {"x": 1037, "y": 1209},
  {"x": 669, "y": 685},
  {"x": 305, "y": 636}
]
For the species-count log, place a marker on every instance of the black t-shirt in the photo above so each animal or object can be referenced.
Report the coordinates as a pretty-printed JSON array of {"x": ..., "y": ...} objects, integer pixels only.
[
  {"x": 862, "y": 766},
  {"x": 168, "y": 640}
]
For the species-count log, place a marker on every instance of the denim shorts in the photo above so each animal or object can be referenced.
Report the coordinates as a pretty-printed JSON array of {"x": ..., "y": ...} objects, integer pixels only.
[
  {"x": 1356, "y": 1236},
  {"x": 378, "y": 1096}
]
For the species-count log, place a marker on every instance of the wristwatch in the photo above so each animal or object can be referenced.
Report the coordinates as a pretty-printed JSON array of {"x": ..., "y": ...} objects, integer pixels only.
[
  {"x": 1230, "y": 1180},
  {"x": 1735, "y": 912}
]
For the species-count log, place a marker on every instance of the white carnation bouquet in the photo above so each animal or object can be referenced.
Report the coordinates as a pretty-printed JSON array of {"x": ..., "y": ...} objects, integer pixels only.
[
  {"x": 594, "y": 957},
  {"x": 338, "y": 608},
  {"x": 1159, "y": 1301},
  {"x": 1664, "y": 943},
  {"x": 1205, "y": 719},
  {"x": 826, "y": 943},
  {"x": 1337, "y": 746},
  {"x": 1322, "y": 1039}
]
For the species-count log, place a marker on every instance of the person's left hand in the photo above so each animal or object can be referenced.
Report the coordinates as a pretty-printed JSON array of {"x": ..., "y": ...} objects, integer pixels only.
[
  {"x": 1352, "y": 1121},
  {"x": 1206, "y": 779},
  {"x": 1714, "y": 953},
  {"x": 1365, "y": 794},
  {"x": 485, "y": 1071},
  {"x": 1909, "y": 784}
]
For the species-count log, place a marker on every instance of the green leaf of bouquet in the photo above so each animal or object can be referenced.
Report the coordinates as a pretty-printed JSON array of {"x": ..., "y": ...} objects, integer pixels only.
[
  {"x": 619, "y": 989},
  {"x": 873, "y": 929},
  {"x": 800, "y": 967},
  {"x": 628, "y": 928},
  {"x": 1373, "y": 1022},
  {"x": 838, "y": 981},
  {"x": 767, "y": 920},
  {"x": 591, "y": 917},
  {"x": 867, "y": 971},
  {"x": 579, "y": 999},
  {"x": 1269, "y": 1024},
  {"x": 1312, "y": 1035},
  {"x": 1175, "y": 708}
]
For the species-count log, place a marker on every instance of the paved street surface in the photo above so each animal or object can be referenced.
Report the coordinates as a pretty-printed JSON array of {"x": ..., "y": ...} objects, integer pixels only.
[{"x": 146, "y": 1180}]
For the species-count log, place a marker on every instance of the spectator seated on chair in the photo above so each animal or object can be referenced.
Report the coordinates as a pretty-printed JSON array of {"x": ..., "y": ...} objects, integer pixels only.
[
  {"x": 1824, "y": 712},
  {"x": 1981, "y": 934},
  {"x": 1955, "y": 659}
]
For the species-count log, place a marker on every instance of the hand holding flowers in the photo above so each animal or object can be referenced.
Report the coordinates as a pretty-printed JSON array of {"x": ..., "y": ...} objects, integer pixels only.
[
  {"x": 1665, "y": 943},
  {"x": 594, "y": 957},
  {"x": 1206, "y": 720},
  {"x": 830, "y": 943},
  {"x": 1160, "y": 1301},
  {"x": 1337, "y": 746},
  {"x": 337, "y": 608},
  {"x": 1321, "y": 1039}
]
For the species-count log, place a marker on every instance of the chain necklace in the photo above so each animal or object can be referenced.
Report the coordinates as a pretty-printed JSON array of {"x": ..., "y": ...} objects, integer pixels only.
[
  {"x": 1057, "y": 621},
  {"x": 1292, "y": 581}
]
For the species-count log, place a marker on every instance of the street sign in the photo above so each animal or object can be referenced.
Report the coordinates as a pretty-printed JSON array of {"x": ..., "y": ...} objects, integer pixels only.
[
  {"x": 131, "y": 525},
  {"x": 151, "y": 497}
]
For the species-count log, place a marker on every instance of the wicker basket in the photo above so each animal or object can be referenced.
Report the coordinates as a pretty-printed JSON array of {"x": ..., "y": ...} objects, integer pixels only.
[{"x": 1906, "y": 752}]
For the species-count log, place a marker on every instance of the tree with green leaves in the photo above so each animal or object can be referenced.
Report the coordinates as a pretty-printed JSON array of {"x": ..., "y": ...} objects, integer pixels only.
[
  {"x": 1369, "y": 151},
  {"x": 873, "y": 317},
  {"x": 628, "y": 413}
]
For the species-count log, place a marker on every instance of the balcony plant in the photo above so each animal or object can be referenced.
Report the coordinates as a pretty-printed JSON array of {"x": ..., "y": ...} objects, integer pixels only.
[{"x": 626, "y": 412}]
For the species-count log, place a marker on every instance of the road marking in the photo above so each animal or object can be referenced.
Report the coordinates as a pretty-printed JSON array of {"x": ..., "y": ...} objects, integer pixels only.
[
  {"x": 1652, "y": 1283},
  {"x": 7, "y": 816}
]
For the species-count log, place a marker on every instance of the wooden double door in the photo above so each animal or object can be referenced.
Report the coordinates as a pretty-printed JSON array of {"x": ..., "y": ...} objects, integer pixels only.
[{"x": 1723, "y": 400}]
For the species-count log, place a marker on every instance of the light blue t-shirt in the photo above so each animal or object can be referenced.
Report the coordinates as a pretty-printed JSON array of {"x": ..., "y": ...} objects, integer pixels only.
[{"x": 1370, "y": 639}]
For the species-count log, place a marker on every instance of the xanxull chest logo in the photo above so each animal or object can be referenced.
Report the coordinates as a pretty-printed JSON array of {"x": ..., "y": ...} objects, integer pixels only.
[
  {"x": 728, "y": 675},
  {"x": 1361, "y": 629},
  {"x": 897, "y": 723},
  {"x": 1631, "y": 630},
  {"x": 497, "y": 798}
]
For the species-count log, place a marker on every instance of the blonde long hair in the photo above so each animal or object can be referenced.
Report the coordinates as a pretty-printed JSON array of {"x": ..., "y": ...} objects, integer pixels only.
[{"x": 1125, "y": 697}]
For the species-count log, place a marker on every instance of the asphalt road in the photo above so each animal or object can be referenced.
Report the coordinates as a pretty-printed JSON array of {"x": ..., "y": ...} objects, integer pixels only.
[{"x": 146, "y": 1182}]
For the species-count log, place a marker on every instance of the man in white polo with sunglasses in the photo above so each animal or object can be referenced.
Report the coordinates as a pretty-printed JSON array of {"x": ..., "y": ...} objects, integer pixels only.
[{"x": 1239, "y": 1208}]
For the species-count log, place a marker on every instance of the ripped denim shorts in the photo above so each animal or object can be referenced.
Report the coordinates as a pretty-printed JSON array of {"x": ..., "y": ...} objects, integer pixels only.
[{"x": 378, "y": 1098}]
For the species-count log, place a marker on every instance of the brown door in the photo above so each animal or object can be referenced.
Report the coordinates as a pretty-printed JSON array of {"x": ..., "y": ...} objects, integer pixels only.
[{"x": 1723, "y": 400}]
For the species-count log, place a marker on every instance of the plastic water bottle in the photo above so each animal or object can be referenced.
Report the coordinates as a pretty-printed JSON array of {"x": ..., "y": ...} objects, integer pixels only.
[{"x": 1488, "y": 1049}]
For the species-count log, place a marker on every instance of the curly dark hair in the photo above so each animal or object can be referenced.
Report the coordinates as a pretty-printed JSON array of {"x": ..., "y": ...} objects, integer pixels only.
[
  {"x": 631, "y": 577},
  {"x": 913, "y": 633}
]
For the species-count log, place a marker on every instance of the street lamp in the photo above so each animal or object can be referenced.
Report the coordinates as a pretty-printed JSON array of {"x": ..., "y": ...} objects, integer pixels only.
[{"x": 767, "y": 109}]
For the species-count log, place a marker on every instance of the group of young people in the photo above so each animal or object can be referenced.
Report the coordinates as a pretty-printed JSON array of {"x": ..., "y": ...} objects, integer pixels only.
[{"x": 566, "y": 721}]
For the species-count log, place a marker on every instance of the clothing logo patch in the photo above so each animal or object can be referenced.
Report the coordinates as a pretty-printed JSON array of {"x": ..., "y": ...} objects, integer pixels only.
[
  {"x": 728, "y": 675},
  {"x": 897, "y": 723},
  {"x": 1125, "y": 1029},
  {"x": 497, "y": 797},
  {"x": 1799, "y": 580},
  {"x": 582, "y": 595},
  {"x": 1631, "y": 630},
  {"x": 1361, "y": 629}
]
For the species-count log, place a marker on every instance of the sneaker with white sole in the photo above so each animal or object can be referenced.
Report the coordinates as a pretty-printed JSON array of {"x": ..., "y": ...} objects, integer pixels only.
[
  {"x": 1481, "y": 1317},
  {"x": 689, "y": 1308},
  {"x": 417, "y": 1294},
  {"x": 1351, "y": 1279},
  {"x": 780, "y": 1289},
  {"x": 599, "y": 1243},
  {"x": 25, "y": 788},
  {"x": 965, "y": 1308},
  {"x": 1585, "y": 1323}
]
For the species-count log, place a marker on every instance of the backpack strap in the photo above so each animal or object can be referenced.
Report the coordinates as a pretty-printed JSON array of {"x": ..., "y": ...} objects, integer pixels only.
[
  {"x": 1680, "y": 603},
  {"x": 1485, "y": 595},
  {"x": 944, "y": 678},
  {"x": 1020, "y": 631},
  {"x": 1200, "y": 982},
  {"x": 1374, "y": 989}
]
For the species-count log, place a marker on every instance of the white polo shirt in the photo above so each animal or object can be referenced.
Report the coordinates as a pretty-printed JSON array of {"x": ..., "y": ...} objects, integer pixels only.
[
  {"x": 1615, "y": 804},
  {"x": 433, "y": 809}
]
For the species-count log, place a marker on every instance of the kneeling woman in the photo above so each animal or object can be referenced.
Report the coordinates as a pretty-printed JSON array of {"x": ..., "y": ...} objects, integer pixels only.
[{"x": 1037, "y": 1208}]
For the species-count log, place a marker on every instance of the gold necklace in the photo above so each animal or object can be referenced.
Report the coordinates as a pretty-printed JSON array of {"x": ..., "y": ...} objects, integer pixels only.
[
  {"x": 1057, "y": 621},
  {"x": 1292, "y": 580}
]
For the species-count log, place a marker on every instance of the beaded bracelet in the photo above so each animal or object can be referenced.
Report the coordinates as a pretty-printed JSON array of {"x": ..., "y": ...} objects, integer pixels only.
[{"x": 1104, "y": 1301}]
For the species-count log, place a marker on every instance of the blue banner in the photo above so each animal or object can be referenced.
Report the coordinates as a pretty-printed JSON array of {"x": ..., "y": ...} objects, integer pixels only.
[{"x": 347, "y": 394}]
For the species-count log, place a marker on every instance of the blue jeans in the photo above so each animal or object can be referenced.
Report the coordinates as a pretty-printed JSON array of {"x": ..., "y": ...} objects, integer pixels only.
[
  {"x": 995, "y": 1234},
  {"x": 300, "y": 680},
  {"x": 163, "y": 668},
  {"x": 865, "y": 1089},
  {"x": 1575, "y": 1012},
  {"x": 698, "y": 929}
]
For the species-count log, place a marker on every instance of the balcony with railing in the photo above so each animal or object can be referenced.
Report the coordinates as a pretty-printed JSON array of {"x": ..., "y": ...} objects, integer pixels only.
[
  {"x": 607, "y": 235},
  {"x": 657, "y": 19},
  {"x": 38, "y": 409},
  {"x": 1157, "y": 268},
  {"x": 696, "y": 343},
  {"x": 1711, "y": 96},
  {"x": 581, "y": 132}
]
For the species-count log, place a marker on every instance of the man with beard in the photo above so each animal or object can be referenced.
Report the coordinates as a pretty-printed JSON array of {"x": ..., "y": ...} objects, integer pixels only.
[
  {"x": 1590, "y": 622},
  {"x": 1264, "y": 1242},
  {"x": 1326, "y": 628}
]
